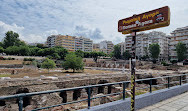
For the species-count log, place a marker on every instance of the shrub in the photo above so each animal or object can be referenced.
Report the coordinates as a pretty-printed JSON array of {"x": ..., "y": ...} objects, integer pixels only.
[
  {"x": 173, "y": 61},
  {"x": 164, "y": 63},
  {"x": 48, "y": 64},
  {"x": 29, "y": 59},
  {"x": 73, "y": 62}
]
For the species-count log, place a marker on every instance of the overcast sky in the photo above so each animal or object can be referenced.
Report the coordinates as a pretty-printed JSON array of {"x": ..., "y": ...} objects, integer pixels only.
[{"x": 35, "y": 20}]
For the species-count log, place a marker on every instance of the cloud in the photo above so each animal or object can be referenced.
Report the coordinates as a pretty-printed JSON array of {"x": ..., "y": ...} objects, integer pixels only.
[
  {"x": 6, "y": 27},
  {"x": 96, "y": 19},
  {"x": 51, "y": 32},
  {"x": 94, "y": 34},
  {"x": 30, "y": 38}
]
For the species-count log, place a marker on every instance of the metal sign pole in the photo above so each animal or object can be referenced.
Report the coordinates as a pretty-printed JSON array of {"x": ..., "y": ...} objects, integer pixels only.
[{"x": 133, "y": 64}]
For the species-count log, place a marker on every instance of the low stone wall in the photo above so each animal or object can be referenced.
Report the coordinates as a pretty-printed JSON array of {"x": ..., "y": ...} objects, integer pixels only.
[
  {"x": 141, "y": 100},
  {"x": 11, "y": 66}
]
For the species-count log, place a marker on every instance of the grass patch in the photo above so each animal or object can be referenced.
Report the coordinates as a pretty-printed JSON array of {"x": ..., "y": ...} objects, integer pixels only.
[{"x": 5, "y": 75}]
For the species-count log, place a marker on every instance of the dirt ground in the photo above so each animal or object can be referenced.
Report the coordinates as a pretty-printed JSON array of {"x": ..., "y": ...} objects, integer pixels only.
[
  {"x": 54, "y": 72},
  {"x": 11, "y": 61}
]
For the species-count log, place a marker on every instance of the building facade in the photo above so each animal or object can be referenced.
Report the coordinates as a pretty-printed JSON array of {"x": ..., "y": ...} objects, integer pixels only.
[
  {"x": 84, "y": 44},
  {"x": 66, "y": 41},
  {"x": 71, "y": 43},
  {"x": 178, "y": 35},
  {"x": 106, "y": 46},
  {"x": 143, "y": 40},
  {"x": 122, "y": 46},
  {"x": 96, "y": 47},
  {"x": 51, "y": 41}
]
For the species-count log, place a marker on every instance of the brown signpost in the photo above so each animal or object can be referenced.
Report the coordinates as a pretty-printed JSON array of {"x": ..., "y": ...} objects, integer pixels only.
[{"x": 145, "y": 21}]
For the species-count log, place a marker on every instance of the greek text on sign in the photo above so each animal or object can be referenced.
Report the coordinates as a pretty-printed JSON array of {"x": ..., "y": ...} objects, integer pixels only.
[{"x": 145, "y": 21}]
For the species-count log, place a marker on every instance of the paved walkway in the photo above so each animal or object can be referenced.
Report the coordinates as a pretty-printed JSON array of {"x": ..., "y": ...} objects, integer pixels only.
[{"x": 177, "y": 103}]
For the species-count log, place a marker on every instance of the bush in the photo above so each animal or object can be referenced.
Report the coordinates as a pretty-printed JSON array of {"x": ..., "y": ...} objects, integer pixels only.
[
  {"x": 48, "y": 64},
  {"x": 164, "y": 63},
  {"x": 29, "y": 59},
  {"x": 9, "y": 58},
  {"x": 173, "y": 61},
  {"x": 73, "y": 62}
]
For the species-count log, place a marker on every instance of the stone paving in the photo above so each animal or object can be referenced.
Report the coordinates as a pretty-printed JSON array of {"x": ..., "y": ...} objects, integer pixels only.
[{"x": 177, "y": 103}]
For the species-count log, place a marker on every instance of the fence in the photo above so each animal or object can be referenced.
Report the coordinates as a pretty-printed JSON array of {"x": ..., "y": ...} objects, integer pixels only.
[{"x": 181, "y": 78}]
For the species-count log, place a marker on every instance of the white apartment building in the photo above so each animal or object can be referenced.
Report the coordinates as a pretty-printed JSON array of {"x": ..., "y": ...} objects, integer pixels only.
[
  {"x": 106, "y": 46},
  {"x": 84, "y": 44},
  {"x": 51, "y": 40},
  {"x": 143, "y": 40},
  {"x": 178, "y": 35},
  {"x": 122, "y": 45}
]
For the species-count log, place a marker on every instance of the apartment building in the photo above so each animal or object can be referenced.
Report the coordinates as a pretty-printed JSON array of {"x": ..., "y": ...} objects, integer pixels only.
[
  {"x": 51, "y": 41},
  {"x": 178, "y": 35},
  {"x": 96, "y": 47},
  {"x": 66, "y": 41},
  {"x": 143, "y": 40},
  {"x": 106, "y": 46},
  {"x": 71, "y": 43},
  {"x": 122, "y": 46},
  {"x": 84, "y": 44}
]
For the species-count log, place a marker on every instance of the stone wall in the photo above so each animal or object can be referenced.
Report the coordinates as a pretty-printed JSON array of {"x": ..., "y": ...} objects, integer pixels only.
[{"x": 15, "y": 86}]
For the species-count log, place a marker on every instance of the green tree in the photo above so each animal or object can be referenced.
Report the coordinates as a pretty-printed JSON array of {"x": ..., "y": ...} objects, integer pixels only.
[
  {"x": 73, "y": 62},
  {"x": 1, "y": 44},
  {"x": 34, "y": 51},
  {"x": 79, "y": 53},
  {"x": 41, "y": 46},
  {"x": 11, "y": 39},
  {"x": 40, "y": 52},
  {"x": 154, "y": 50},
  {"x": 48, "y": 64},
  {"x": 95, "y": 55},
  {"x": 62, "y": 52},
  {"x": 181, "y": 50},
  {"x": 12, "y": 50},
  {"x": 55, "y": 56},
  {"x": 1, "y": 49},
  {"x": 87, "y": 54},
  {"x": 126, "y": 55},
  {"x": 24, "y": 50},
  {"x": 117, "y": 52}
]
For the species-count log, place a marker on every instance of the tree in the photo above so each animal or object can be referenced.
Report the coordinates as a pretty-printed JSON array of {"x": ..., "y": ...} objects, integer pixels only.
[
  {"x": 79, "y": 53},
  {"x": 11, "y": 39},
  {"x": 154, "y": 50},
  {"x": 1, "y": 49},
  {"x": 73, "y": 62},
  {"x": 62, "y": 52},
  {"x": 12, "y": 50},
  {"x": 48, "y": 64},
  {"x": 24, "y": 50},
  {"x": 55, "y": 56},
  {"x": 1, "y": 44},
  {"x": 87, "y": 55},
  {"x": 126, "y": 55},
  {"x": 15, "y": 50},
  {"x": 95, "y": 55},
  {"x": 34, "y": 51},
  {"x": 40, "y": 52},
  {"x": 117, "y": 52},
  {"x": 41, "y": 46},
  {"x": 181, "y": 50}
]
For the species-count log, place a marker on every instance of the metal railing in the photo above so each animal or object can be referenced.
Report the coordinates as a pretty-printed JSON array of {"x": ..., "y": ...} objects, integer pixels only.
[{"x": 88, "y": 88}]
